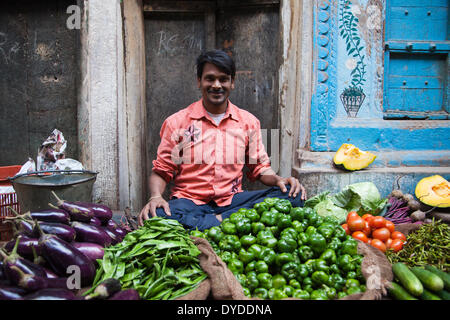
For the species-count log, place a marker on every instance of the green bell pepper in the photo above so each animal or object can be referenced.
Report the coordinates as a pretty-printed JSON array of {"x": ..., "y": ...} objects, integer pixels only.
[
  {"x": 268, "y": 255},
  {"x": 228, "y": 227},
  {"x": 340, "y": 233},
  {"x": 283, "y": 258},
  {"x": 302, "y": 239},
  {"x": 284, "y": 221},
  {"x": 317, "y": 243},
  {"x": 331, "y": 292},
  {"x": 269, "y": 218},
  {"x": 289, "y": 232},
  {"x": 266, "y": 238},
  {"x": 243, "y": 226},
  {"x": 327, "y": 230},
  {"x": 261, "y": 207},
  {"x": 283, "y": 205},
  {"x": 310, "y": 230},
  {"x": 279, "y": 294},
  {"x": 297, "y": 226},
  {"x": 250, "y": 266},
  {"x": 289, "y": 270},
  {"x": 255, "y": 249},
  {"x": 215, "y": 234},
  {"x": 329, "y": 256},
  {"x": 294, "y": 284},
  {"x": 297, "y": 213},
  {"x": 319, "y": 294},
  {"x": 345, "y": 263},
  {"x": 305, "y": 253},
  {"x": 331, "y": 220},
  {"x": 236, "y": 266},
  {"x": 253, "y": 215},
  {"x": 337, "y": 281},
  {"x": 349, "y": 246},
  {"x": 242, "y": 279},
  {"x": 261, "y": 267},
  {"x": 286, "y": 244},
  {"x": 353, "y": 290},
  {"x": 236, "y": 216},
  {"x": 252, "y": 280},
  {"x": 334, "y": 244},
  {"x": 197, "y": 233},
  {"x": 261, "y": 293},
  {"x": 301, "y": 294},
  {"x": 246, "y": 256},
  {"x": 265, "y": 280},
  {"x": 352, "y": 283},
  {"x": 257, "y": 227},
  {"x": 226, "y": 256},
  {"x": 303, "y": 271},
  {"x": 247, "y": 292},
  {"x": 321, "y": 265},
  {"x": 288, "y": 290},
  {"x": 247, "y": 240},
  {"x": 230, "y": 242},
  {"x": 278, "y": 281},
  {"x": 271, "y": 201},
  {"x": 319, "y": 277},
  {"x": 334, "y": 268}
]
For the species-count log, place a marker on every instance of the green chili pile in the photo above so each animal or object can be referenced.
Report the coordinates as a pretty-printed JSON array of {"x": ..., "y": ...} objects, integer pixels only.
[
  {"x": 428, "y": 245},
  {"x": 159, "y": 260}
]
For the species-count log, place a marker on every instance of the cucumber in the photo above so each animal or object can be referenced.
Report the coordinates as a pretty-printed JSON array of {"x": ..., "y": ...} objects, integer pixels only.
[
  {"x": 429, "y": 280},
  {"x": 428, "y": 295},
  {"x": 443, "y": 275},
  {"x": 399, "y": 293},
  {"x": 407, "y": 279},
  {"x": 444, "y": 294}
]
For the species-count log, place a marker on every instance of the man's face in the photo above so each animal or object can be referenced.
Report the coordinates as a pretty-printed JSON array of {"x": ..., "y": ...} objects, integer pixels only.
[{"x": 215, "y": 85}]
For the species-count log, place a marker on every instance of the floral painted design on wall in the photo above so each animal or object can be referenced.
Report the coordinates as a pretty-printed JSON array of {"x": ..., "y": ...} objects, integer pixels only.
[{"x": 353, "y": 96}]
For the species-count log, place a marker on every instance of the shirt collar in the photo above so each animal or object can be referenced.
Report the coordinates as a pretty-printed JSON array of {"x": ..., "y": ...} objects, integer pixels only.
[{"x": 198, "y": 111}]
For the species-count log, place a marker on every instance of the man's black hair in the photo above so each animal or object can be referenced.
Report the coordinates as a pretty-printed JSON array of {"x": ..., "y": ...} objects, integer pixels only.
[{"x": 218, "y": 58}]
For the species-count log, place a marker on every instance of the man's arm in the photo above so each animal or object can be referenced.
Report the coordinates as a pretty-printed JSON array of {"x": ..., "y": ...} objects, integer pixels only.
[{"x": 157, "y": 186}]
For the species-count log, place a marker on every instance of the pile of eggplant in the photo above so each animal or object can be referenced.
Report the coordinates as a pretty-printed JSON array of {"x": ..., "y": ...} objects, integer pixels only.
[{"x": 54, "y": 252}]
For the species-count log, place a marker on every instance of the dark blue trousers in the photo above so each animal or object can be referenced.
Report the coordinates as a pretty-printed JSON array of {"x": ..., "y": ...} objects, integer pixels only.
[{"x": 202, "y": 217}]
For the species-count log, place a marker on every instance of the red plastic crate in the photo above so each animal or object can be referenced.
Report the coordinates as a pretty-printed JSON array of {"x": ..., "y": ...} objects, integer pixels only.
[{"x": 7, "y": 200}]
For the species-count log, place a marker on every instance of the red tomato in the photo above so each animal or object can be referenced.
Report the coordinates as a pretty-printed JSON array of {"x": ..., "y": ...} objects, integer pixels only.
[
  {"x": 388, "y": 243},
  {"x": 367, "y": 229},
  {"x": 390, "y": 225},
  {"x": 376, "y": 243},
  {"x": 351, "y": 215},
  {"x": 360, "y": 236},
  {"x": 396, "y": 245},
  {"x": 356, "y": 224},
  {"x": 345, "y": 227},
  {"x": 381, "y": 234},
  {"x": 398, "y": 235},
  {"x": 367, "y": 217},
  {"x": 378, "y": 222}
]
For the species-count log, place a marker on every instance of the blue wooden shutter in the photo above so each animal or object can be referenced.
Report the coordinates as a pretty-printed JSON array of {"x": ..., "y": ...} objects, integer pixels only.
[{"x": 417, "y": 50}]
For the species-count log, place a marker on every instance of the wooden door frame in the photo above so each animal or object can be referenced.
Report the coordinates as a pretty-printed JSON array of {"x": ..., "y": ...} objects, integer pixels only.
[{"x": 294, "y": 90}]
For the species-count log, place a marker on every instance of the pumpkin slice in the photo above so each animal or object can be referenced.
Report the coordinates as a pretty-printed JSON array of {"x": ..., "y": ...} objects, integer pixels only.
[
  {"x": 343, "y": 153},
  {"x": 434, "y": 191},
  {"x": 352, "y": 158}
]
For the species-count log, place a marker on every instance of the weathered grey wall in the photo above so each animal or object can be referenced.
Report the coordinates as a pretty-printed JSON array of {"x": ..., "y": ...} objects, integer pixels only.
[{"x": 39, "y": 78}]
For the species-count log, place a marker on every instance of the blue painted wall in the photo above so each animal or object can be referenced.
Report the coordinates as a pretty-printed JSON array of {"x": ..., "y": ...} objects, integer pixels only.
[{"x": 350, "y": 57}]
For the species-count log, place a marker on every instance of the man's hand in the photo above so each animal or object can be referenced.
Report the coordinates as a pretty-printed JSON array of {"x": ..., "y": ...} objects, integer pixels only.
[
  {"x": 296, "y": 187},
  {"x": 155, "y": 202}
]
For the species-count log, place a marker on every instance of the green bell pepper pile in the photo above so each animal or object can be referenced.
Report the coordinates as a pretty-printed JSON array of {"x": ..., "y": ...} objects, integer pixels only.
[{"x": 278, "y": 251}]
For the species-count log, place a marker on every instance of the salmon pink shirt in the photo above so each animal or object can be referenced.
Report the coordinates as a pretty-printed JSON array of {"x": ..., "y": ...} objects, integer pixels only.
[{"x": 205, "y": 160}]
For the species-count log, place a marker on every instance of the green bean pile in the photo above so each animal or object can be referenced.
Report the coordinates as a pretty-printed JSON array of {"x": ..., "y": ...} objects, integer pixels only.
[
  {"x": 428, "y": 245},
  {"x": 159, "y": 260}
]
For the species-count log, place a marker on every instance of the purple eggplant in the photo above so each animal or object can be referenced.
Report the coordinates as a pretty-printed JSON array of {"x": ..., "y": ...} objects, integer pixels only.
[
  {"x": 50, "y": 274},
  {"x": 91, "y": 250},
  {"x": 120, "y": 232},
  {"x": 105, "y": 289},
  {"x": 111, "y": 224},
  {"x": 25, "y": 247},
  {"x": 51, "y": 294},
  {"x": 51, "y": 215},
  {"x": 60, "y": 255},
  {"x": 114, "y": 237},
  {"x": 102, "y": 212},
  {"x": 59, "y": 283},
  {"x": 15, "y": 260},
  {"x": 95, "y": 221},
  {"x": 29, "y": 282},
  {"x": 77, "y": 212},
  {"x": 128, "y": 294},
  {"x": 62, "y": 231},
  {"x": 90, "y": 233},
  {"x": 11, "y": 293}
]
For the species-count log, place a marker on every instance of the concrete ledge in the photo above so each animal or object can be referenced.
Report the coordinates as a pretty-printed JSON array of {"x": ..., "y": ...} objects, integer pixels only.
[{"x": 317, "y": 180}]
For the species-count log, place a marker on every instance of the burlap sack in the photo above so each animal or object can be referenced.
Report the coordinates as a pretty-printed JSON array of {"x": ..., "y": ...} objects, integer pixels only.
[{"x": 375, "y": 268}]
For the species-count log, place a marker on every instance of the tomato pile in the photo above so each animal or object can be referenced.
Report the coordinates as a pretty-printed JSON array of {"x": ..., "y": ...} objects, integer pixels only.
[{"x": 374, "y": 230}]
